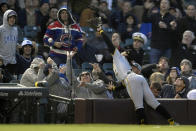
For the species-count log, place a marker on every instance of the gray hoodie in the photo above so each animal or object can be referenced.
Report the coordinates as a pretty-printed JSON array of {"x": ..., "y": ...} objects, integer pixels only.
[
  {"x": 8, "y": 40},
  {"x": 33, "y": 74}
]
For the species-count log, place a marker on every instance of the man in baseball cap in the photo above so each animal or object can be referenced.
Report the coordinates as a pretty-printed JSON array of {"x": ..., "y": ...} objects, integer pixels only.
[
  {"x": 135, "y": 51},
  {"x": 25, "y": 56},
  {"x": 136, "y": 68},
  {"x": 27, "y": 49},
  {"x": 140, "y": 37},
  {"x": 26, "y": 42}
]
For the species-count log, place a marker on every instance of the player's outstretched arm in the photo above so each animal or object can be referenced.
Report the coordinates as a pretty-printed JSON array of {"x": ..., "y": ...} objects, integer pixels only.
[{"x": 96, "y": 24}]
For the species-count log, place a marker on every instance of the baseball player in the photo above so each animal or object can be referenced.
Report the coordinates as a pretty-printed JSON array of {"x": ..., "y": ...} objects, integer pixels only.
[{"x": 136, "y": 85}]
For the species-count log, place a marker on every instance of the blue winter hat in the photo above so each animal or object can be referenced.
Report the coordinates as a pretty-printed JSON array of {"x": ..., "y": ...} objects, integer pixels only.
[
  {"x": 177, "y": 70},
  {"x": 62, "y": 65}
]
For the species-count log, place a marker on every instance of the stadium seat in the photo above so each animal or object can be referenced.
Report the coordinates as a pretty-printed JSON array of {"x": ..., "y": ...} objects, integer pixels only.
[
  {"x": 90, "y": 33},
  {"x": 128, "y": 42},
  {"x": 108, "y": 67},
  {"x": 77, "y": 71},
  {"x": 108, "y": 31},
  {"x": 20, "y": 34},
  {"x": 31, "y": 31},
  {"x": 146, "y": 28},
  {"x": 86, "y": 67}
]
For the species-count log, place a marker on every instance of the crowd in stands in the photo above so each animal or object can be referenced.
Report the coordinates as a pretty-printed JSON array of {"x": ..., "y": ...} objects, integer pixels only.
[{"x": 32, "y": 33}]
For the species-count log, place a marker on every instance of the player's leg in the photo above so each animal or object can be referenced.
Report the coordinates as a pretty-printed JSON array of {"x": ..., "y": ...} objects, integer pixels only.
[
  {"x": 136, "y": 94},
  {"x": 161, "y": 110},
  {"x": 140, "y": 116},
  {"x": 151, "y": 101}
]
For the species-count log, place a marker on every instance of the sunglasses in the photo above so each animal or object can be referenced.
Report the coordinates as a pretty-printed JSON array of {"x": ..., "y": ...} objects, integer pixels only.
[{"x": 84, "y": 74}]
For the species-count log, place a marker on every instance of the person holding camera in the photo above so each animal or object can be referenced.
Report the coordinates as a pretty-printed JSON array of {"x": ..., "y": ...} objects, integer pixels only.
[
  {"x": 135, "y": 52},
  {"x": 34, "y": 73}
]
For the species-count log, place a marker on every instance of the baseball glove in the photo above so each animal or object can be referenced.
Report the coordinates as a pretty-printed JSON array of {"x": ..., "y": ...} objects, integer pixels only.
[{"x": 95, "y": 23}]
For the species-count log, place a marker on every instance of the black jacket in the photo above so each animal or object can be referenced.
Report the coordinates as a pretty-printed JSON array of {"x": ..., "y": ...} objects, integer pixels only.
[
  {"x": 86, "y": 54},
  {"x": 161, "y": 38},
  {"x": 183, "y": 52},
  {"x": 185, "y": 23},
  {"x": 137, "y": 56}
]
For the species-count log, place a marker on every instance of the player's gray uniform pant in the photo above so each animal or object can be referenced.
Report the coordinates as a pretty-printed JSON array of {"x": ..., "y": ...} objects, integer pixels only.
[{"x": 138, "y": 89}]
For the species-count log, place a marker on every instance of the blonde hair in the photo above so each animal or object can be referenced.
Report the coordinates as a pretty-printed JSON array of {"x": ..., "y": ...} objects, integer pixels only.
[{"x": 156, "y": 77}]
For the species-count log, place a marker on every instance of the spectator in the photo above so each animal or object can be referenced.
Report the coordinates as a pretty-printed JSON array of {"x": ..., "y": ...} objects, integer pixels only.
[
  {"x": 163, "y": 27},
  {"x": 186, "y": 68},
  {"x": 162, "y": 66},
  {"x": 9, "y": 39},
  {"x": 192, "y": 80},
  {"x": 13, "y": 5},
  {"x": 53, "y": 3},
  {"x": 63, "y": 35},
  {"x": 5, "y": 76},
  {"x": 42, "y": 16},
  {"x": 115, "y": 88},
  {"x": 25, "y": 57},
  {"x": 156, "y": 89},
  {"x": 118, "y": 15},
  {"x": 89, "y": 88},
  {"x": 98, "y": 43},
  {"x": 107, "y": 93},
  {"x": 77, "y": 10},
  {"x": 178, "y": 4},
  {"x": 36, "y": 4},
  {"x": 3, "y": 8},
  {"x": 52, "y": 15},
  {"x": 157, "y": 77},
  {"x": 188, "y": 22},
  {"x": 173, "y": 74},
  {"x": 63, "y": 73},
  {"x": 89, "y": 13},
  {"x": 34, "y": 73},
  {"x": 185, "y": 50},
  {"x": 135, "y": 52},
  {"x": 178, "y": 90},
  {"x": 59, "y": 86},
  {"x": 87, "y": 52},
  {"x": 117, "y": 42},
  {"x": 175, "y": 12},
  {"x": 104, "y": 13},
  {"x": 128, "y": 27},
  {"x": 64, "y": 3},
  {"x": 27, "y": 16}
]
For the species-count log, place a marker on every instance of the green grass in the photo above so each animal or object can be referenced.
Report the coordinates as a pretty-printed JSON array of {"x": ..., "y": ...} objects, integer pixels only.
[{"x": 93, "y": 127}]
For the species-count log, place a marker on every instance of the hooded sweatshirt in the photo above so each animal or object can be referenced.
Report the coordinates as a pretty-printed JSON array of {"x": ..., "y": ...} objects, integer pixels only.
[
  {"x": 70, "y": 35},
  {"x": 33, "y": 74},
  {"x": 8, "y": 40}
]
